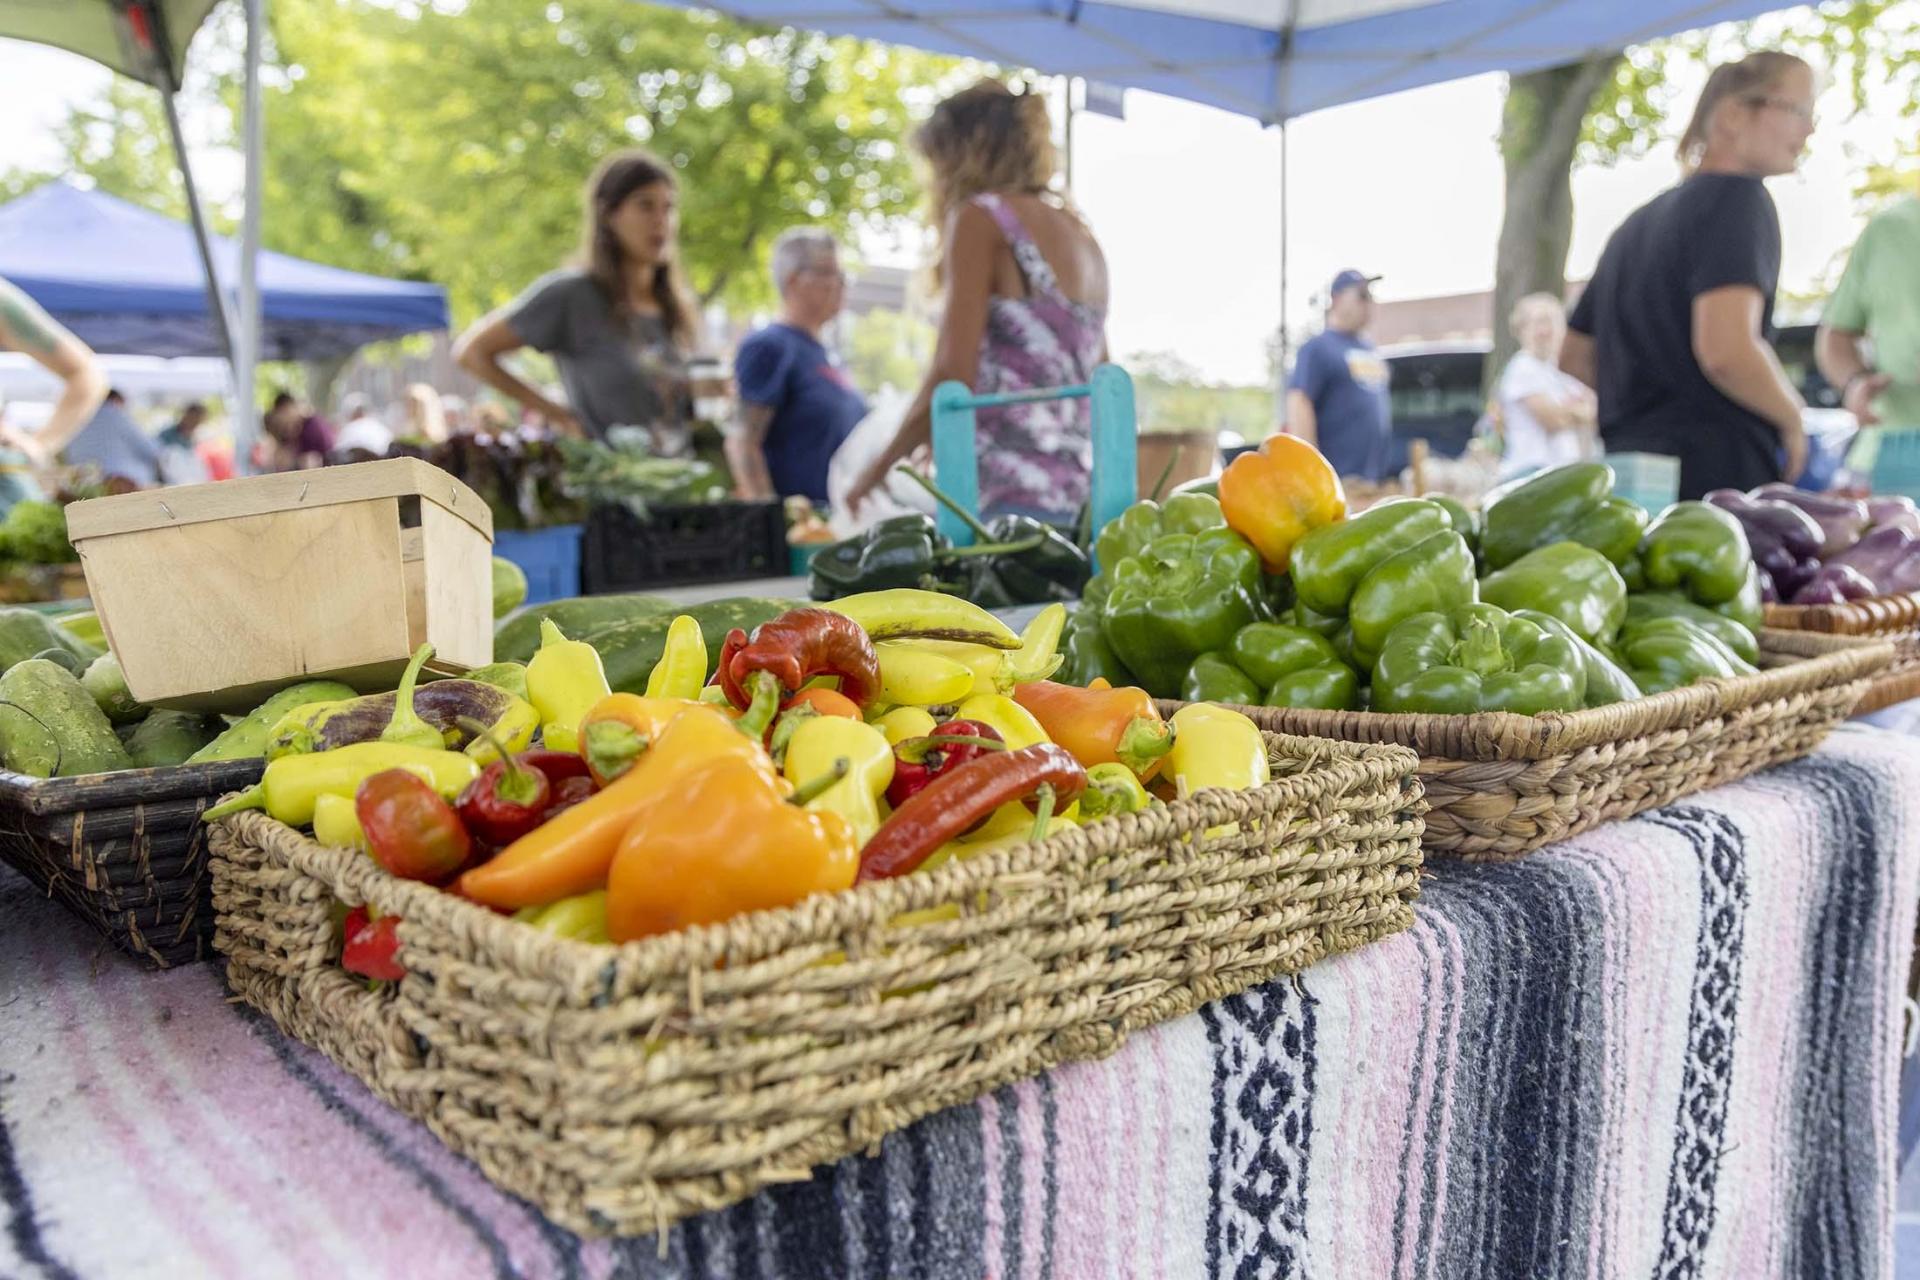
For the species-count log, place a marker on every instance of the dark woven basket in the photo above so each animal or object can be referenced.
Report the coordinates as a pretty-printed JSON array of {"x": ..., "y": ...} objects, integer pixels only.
[{"x": 126, "y": 852}]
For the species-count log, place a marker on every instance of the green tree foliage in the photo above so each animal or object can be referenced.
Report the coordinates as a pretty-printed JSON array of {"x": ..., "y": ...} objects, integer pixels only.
[
  {"x": 886, "y": 348},
  {"x": 1171, "y": 395}
]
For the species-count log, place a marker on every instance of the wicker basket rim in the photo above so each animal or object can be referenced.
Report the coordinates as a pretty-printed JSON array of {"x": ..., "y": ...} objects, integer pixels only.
[
  {"x": 1540, "y": 737},
  {"x": 42, "y": 797},
  {"x": 1876, "y": 615},
  {"x": 1329, "y": 768}
]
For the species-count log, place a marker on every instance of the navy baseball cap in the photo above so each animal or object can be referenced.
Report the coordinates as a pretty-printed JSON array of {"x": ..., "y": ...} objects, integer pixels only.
[{"x": 1350, "y": 279}]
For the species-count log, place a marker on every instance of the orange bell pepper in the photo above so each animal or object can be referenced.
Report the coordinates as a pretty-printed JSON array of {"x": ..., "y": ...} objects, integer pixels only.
[
  {"x": 1100, "y": 725},
  {"x": 1275, "y": 496},
  {"x": 618, "y": 729},
  {"x": 571, "y": 854},
  {"x": 727, "y": 839}
]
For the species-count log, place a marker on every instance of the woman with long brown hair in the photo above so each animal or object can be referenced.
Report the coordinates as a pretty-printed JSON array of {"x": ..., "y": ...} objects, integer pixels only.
[
  {"x": 1674, "y": 329},
  {"x": 1025, "y": 294},
  {"x": 620, "y": 324}
]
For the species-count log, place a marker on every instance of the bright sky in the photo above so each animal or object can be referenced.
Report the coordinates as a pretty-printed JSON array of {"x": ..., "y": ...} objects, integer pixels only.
[{"x": 1186, "y": 200}]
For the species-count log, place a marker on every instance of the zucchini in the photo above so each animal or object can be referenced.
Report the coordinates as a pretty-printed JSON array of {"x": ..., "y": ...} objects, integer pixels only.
[
  {"x": 511, "y": 676},
  {"x": 247, "y": 737},
  {"x": 106, "y": 683},
  {"x": 50, "y": 726},
  {"x": 630, "y": 651},
  {"x": 168, "y": 737}
]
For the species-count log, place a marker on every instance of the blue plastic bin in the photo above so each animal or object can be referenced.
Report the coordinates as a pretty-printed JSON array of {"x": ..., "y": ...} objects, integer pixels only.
[
  {"x": 1650, "y": 479},
  {"x": 549, "y": 557},
  {"x": 1890, "y": 456}
]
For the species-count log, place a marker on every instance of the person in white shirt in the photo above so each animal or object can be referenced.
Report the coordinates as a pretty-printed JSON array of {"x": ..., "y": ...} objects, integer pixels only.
[
  {"x": 363, "y": 430},
  {"x": 1548, "y": 415}
]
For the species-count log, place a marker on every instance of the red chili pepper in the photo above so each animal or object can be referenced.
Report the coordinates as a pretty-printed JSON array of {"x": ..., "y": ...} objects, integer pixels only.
[
  {"x": 790, "y": 650},
  {"x": 960, "y": 798},
  {"x": 370, "y": 946},
  {"x": 412, "y": 832},
  {"x": 918, "y": 761},
  {"x": 506, "y": 801},
  {"x": 557, "y": 765},
  {"x": 723, "y": 669},
  {"x": 568, "y": 794}
]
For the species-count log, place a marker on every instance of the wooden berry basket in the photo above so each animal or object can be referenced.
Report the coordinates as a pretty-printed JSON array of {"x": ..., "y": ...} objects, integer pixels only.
[
  {"x": 126, "y": 852},
  {"x": 1500, "y": 785},
  {"x": 1893, "y": 617},
  {"x": 622, "y": 1088}
]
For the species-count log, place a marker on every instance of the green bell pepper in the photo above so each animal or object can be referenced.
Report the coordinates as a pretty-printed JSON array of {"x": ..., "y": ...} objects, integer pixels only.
[
  {"x": 1329, "y": 563},
  {"x": 896, "y": 552},
  {"x": 1477, "y": 658},
  {"x": 1330, "y": 627},
  {"x": 1664, "y": 604},
  {"x": 1128, "y": 533},
  {"x": 1747, "y": 607},
  {"x": 1466, "y": 522},
  {"x": 1666, "y": 653},
  {"x": 1698, "y": 550},
  {"x": 1570, "y": 503},
  {"x": 1295, "y": 667},
  {"x": 1213, "y": 677},
  {"x": 1433, "y": 575},
  {"x": 1575, "y": 584},
  {"x": 1084, "y": 641},
  {"x": 1181, "y": 595},
  {"x": 1606, "y": 682}
]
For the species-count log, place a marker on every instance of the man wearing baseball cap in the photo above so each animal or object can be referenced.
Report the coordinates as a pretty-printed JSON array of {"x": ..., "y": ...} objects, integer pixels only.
[{"x": 1337, "y": 394}]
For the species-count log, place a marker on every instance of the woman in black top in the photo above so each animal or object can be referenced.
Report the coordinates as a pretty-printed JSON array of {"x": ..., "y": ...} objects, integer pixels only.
[
  {"x": 619, "y": 326},
  {"x": 1673, "y": 330}
]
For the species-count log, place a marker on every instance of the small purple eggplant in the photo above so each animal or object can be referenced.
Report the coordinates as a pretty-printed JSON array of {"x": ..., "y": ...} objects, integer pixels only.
[
  {"x": 1879, "y": 554},
  {"x": 1841, "y": 520},
  {"x": 1835, "y": 584}
]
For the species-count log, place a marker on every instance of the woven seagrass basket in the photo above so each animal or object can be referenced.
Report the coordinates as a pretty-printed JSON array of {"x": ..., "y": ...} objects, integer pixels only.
[
  {"x": 1501, "y": 785},
  {"x": 125, "y": 852},
  {"x": 622, "y": 1088},
  {"x": 1894, "y": 617}
]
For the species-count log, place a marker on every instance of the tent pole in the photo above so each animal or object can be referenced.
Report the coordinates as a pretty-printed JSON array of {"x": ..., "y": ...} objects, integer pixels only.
[
  {"x": 1283, "y": 348},
  {"x": 216, "y": 300},
  {"x": 246, "y": 358}
]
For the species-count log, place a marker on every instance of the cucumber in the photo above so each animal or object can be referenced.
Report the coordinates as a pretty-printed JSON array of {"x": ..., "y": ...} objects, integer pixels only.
[
  {"x": 168, "y": 737},
  {"x": 630, "y": 650},
  {"x": 518, "y": 638},
  {"x": 51, "y": 726},
  {"x": 106, "y": 683},
  {"x": 248, "y": 736},
  {"x": 509, "y": 586},
  {"x": 511, "y": 676},
  {"x": 24, "y": 633}
]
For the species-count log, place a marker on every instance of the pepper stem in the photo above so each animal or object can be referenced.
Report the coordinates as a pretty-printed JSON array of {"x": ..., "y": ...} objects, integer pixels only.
[
  {"x": 972, "y": 522},
  {"x": 405, "y": 725},
  {"x": 517, "y": 784},
  {"x": 786, "y": 726},
  {"x": 764, "y": 688},
  {"x": 1044, "y": 814},
  {"x": 254, "y": 797},
  {"x": 916, "y": 750},
  {"x": 812, "y": 789},
  {"x": 612, "y": 748},
  {"x": 1144, "y": 740},
  {"x": 1478, "y": 649},
  {"x": 990, "y": 549}
]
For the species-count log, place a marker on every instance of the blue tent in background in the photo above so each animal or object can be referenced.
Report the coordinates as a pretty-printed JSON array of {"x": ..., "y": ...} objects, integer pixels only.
[
  {"x": 1271, "y": 59},
  {"x": 128, "y": 280}
]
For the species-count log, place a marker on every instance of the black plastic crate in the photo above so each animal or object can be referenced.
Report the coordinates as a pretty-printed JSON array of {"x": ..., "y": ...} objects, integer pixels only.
[{"x": 678, "y": 545}]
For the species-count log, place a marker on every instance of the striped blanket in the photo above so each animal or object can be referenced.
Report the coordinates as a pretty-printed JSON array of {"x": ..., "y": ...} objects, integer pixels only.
[{"x": 1665, "y": 1049}]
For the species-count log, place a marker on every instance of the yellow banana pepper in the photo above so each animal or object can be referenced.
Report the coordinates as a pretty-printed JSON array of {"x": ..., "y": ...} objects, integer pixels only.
[
  {"x": 1039, "y": 653},
  {"x": 336, "y": 824},
  {"x": 564, "y": 680},
  {"x": 582, "y": 917},
  {"x": 902, "y": 723},
  {"x": 292, "y": 785},
  {"x": 814, "y": 751},
  {"x": 1015, "y": 723},
  {"x": 682, "y": 668},
  {"x": 913, "y": 676}
]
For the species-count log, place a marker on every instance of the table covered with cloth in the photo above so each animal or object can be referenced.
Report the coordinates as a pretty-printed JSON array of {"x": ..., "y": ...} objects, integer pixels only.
[{"x": 1666, "y": 1048}]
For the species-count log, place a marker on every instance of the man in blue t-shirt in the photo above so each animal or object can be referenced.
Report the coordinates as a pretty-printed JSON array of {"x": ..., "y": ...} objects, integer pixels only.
[
  {"x": 796, "y": 405},
  {"x": 1337, "y": 396}
]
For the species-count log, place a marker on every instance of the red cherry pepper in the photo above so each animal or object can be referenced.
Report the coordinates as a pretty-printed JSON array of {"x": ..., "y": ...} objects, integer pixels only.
[
  {"x": 961, "y": 798},
  {"x": 557, "y": 765},
  {"x": 790, "y": 650},
  {"x": 506, "y": 801},
  {"x": 918, "y": 761},
  {"x": 411, "y": 831},
  {"x": 568, "y": 794},
  {"x": 370, "y": 946}
]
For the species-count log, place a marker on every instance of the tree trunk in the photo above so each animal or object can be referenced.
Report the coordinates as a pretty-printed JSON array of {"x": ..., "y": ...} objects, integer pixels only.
[{"x": 1539, "y": 130}]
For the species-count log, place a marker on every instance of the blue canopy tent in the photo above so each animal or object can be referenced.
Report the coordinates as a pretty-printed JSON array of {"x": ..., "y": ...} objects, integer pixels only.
[
  {"x": 1274, "y": 60},
  {"x": 126, "y": 279}
]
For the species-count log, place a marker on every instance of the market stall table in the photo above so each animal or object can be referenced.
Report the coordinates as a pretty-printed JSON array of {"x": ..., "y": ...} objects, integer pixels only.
[{"x": 1666, "y": 1047}]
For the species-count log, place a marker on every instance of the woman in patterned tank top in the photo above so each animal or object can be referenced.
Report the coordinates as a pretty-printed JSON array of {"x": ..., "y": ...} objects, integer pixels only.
[{"x": 1025, "y": 302}]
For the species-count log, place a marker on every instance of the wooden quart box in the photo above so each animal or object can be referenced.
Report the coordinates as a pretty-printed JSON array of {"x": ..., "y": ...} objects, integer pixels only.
[{"x": 214, "y": 595}]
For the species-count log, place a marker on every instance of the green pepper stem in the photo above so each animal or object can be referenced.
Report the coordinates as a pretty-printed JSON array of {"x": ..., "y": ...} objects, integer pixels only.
[
  {"x": 1144, "y": 740},
  {"x": 1478, "y": 649},
  {"x": 812, "y": 789},
  {"x": 254, "y": 797},
  {"x": 611, "y": 748},
  {"x": 1044, "y": 814},
  {"x": 786, "y": 726},
  {"x": 764, "y": 687},
  {"x": 945, "y": 500},
  {"x": 991, "y": 549},
  {"x": 405, "y": 725},
  {"x": 914, "y": 750},
  {"x": 516, "y": 785}
]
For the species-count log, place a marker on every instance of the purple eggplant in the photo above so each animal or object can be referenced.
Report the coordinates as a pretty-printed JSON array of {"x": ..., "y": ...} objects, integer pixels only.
[
  {"x": 1841, "y": 520},
  {"x": 1769, "y": 592},
  {"x": 1878, "y": 555},
  {"x": 1908, "y": 520},
  {"x": 1768, "y": 519},
  {"x": 1788, "y": 581},
  {"x": 1889, "y": 508},
  {"x": 1835, "y": 584}
]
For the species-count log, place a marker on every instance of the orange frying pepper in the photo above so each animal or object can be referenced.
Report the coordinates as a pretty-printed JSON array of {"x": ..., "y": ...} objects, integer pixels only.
[
  {"x": 1100, "y": 725},
  {"x": 571, "y": 854},
  {"x": 828, "y": 702},
  {"x": 618, "y": 729},
  {"x": 1274, "y": 497}
]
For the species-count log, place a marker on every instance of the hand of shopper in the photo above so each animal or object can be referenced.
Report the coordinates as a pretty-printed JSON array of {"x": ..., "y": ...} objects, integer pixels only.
[
  {"x": 563, "y": 422},
  {"x": 1794, "y": 441},
  {"x": 1859, "y": 394}
]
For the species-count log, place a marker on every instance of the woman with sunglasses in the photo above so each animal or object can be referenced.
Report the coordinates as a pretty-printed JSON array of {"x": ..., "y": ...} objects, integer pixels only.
[{"x": 1673, "y": 330}]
